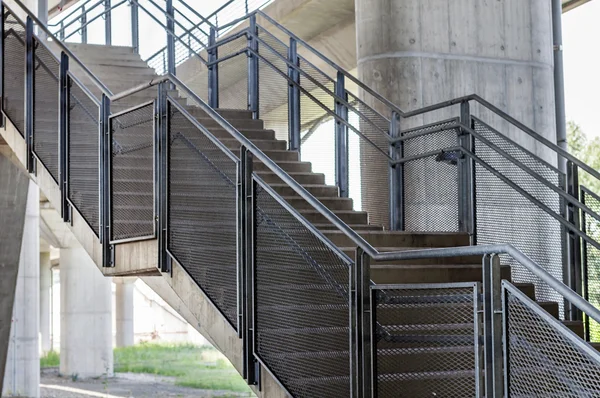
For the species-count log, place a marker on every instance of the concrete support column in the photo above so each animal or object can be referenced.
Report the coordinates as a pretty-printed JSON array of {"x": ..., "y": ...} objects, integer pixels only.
[
  {"x": 421, "y": 52},
  {"x": 125, "y": 288},
  {"x": 45, "y": 301},
  {"x": 85, "y": 316},
  {"x": 22, "y": 373}
]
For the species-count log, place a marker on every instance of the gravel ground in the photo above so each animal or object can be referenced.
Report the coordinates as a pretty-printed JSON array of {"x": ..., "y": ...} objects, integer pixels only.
[{"x": 123, "y": 385}]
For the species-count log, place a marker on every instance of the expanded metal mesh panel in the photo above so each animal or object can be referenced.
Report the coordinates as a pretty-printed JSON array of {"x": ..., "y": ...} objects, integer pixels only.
[
  {"x": 592, "y": 259},
  {"x": 45, "y": 108},
  {"x": 504, "y": 215},
  {"x": 431, "y": 183},
  {"x": 132, "y": 174},
  {"x": 84, "y": 155},
  {"x": 302, "y": 314},
  {"x": 202, "y": 220},
  {"x": 425, "y": 341},
  {"x": 371, "y": 128},
  {"x": 545, "y": 359},
  {"x": 233, "y": 75},
  {"x": 273, "y": 84},
  {"x": 13, "y": 101}
]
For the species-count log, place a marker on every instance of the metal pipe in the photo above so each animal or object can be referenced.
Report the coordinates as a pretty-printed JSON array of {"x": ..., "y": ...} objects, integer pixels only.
[
  {"x": 294, "y": 118},
  {"x": 135, "y": 28},
  {"x": 396, "y": 175},
  {"x": 213, "y": 70},
  {"x": 87, "y": 22},
  {"x": 341, "y": 139},
  {"x": 170, "y": 14},
  {"x": 107, "y": 23}
]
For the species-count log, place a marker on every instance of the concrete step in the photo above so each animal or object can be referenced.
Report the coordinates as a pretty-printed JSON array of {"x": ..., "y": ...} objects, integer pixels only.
[
  {"x": 303, "y": 167},
  {"x": 331, "y": 203},
  {"x": 316, "y": 190},
  {"x": 430, "y": 273},
  {"x": 402, "y": 239},
  {"x": 356, "y": 227},
  {"x": 80, "y": 48},
  {"x": 302, "y": 178}
]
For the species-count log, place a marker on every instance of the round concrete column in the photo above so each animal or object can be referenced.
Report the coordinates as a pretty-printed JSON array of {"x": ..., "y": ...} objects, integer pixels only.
[
  {"x": 421, "y": 52},
  {"x": 85, "y": 316},
  {"x": 22, "y": 374},
  {"x": 125, "y": 288},
  {"x": 45, "y": 301}
]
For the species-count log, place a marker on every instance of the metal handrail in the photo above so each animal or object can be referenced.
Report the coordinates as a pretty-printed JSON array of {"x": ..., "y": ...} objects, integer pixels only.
[
  {"x": 88, "y": 22},
  {"x": 62, "y": 46}
]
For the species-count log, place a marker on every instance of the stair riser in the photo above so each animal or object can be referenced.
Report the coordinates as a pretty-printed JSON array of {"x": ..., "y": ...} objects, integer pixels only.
[
  {"x": 401, "y": 240},
  {"x": 458, "y": 359},
  {"x": 315, "y": 179},
  {"x": 429, "y": 275},
  {"x": 300, "y": 167},
  {"x": 320, "y": 191}
]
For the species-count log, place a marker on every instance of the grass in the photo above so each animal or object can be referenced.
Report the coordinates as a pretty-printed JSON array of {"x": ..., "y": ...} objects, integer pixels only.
[
  {"x": 50, "y": 360},
  {"x": 192, "y": 366}
]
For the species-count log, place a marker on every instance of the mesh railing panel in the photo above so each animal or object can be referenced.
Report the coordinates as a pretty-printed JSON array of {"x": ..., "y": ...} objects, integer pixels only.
[
  {"x": 425, "y": 342},
  {"x": 13, "y": 101},
  {"x": 132, "y": 174},
  {"x": 504, "y": 215},
  {"x": 302, "y": 313},
  {"x": 45, "y": 108},
  {"x": 591, "y": 259},
  {"x": 273, "y": 85},
  {"x": 202, "y": 214},
  {"x": 544, "y": 359},
  {"x": 431, "y": 206},
  {"x": 372, "y": 166},
  {"x": 233, "y": 75},
  {"x": 84, "y": 155}
]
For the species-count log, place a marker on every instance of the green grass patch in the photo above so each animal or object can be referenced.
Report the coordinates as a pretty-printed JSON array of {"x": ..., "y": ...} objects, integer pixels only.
[
  {"x": 50, "y": 360},
  {"x": 192, "y": 366}
]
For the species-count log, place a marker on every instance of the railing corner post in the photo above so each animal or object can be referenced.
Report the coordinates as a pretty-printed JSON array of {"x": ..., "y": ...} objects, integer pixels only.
[
  {"x": 84, "y": 36},
  {"x": 492, "y": 326},
  {"x": 466, "y": 175},
  {"x": 162, "y": 139},
  {"x": 360, "y": 319},
  {"x": 135, "y": 27},
  {"x": 294, "y": 97},
  {"x": 213, "y": 69},
  {"x": 396, "y": 175},
  {"x": 251, "y": 367},
  {"x": 108, "y": 250},
  {"x": 253, "y": 69},
  {"x": 63, "y": 136},
  {"x": 170, "y": 15},
  {"x": 341, "y": 137},
  {"x": 29, "y": 94},
  {"x": 573, "y": 244},
  {"x": 108, "y": 23}
]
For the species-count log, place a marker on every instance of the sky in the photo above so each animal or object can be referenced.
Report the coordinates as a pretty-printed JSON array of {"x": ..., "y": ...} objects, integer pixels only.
[{"x": 581, "y": 28}]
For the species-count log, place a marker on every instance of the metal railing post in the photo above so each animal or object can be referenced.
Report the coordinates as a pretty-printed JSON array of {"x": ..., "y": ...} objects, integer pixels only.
[
  {"x": 84, "y": 36},
  {"x": 251, "y": 367},
  {"x": 135, "y": 27},
  {"x": 29, "y": 94},
  {"x": 247, "y": 10},
  {"x": 2, "y": 121},
  {"x": 253, "y": 83},
  {"x": 107, "y": 23},
  {"x": 585, "y": 265},
  {"x": 61, "y": 32},
  {"x": 63, "y": 136},
  {"x": 162, "y": 132},
  {"x": 492, "y": 326},
  {"x": 396, "y": 176},
  {"x": 574, "y": 241},
  {"x": 213, "y": 70},
  {"x": 466, "y": 185},
  {"x": 170, "y": 37},
  {"x": 341, "y": 138},
  {"x": 361, "y": 324},
  {"x": 293, "y": 98},
  {"x": 108, "y": 250}
]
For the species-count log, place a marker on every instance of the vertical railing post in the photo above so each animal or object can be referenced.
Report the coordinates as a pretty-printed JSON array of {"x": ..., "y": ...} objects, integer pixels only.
[
  {"x": 492, "y": 326},
  {"x": 84, "y": 36},
  {"x": 466, "y": 205},
  {"x": 162, "y": 139},
  {"x": 396, "y": 175},
  {"x": 2, "y": 121},
  {"x": 251, "y": 368},
  {"x": 584, "y": 264},
  {"x": 135, "y": 27},
  {"x": 213, "y": 69},
  {"x": 63, "y": 136},
  {"x": 108, "y": 250},
  {"x": 246, "y": 4},
  {"x": 253, "y": 81},
  {"x": 341, "y": 137},
  {"x": 29, "y": 94},
  {"x": 293, "y": 97},
  {"x": 61, "y": 32},
  {"x": 361, "y": 305},
  {"x": 107, "y": 23},
  {"x": 573, "y": 241},
  {"x": 170, "y": 37}
]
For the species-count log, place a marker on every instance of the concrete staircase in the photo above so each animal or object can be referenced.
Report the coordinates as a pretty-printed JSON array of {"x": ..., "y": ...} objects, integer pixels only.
[{"x": 119, "y": 68}]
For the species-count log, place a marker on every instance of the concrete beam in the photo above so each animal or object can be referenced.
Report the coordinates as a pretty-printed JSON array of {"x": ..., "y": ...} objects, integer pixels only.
[
  {"x": 568, "y": 5},
  {"x": 14, "y": 186}
]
